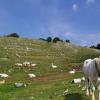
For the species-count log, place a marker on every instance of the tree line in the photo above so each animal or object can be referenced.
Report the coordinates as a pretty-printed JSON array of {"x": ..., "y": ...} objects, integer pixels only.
[
  {"x": 54, "y": 40},
  {"x": 49, "y": 39},
  {"x": 12, "y": 35},
  {"x": 96, "y": 47}
]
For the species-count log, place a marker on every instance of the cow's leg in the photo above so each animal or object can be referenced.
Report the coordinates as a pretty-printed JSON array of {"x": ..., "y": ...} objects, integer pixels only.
[
  {"x": 92, "y": 89},
  {"x": 99, "y": 87},
  {"x": 90, "y": 86},
  {"x": 87, "y": 87},
  {"x": 99, "y": 90}
]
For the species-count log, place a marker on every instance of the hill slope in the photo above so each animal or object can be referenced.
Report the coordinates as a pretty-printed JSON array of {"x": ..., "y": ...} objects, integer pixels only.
[
  {"x": 19, "y": 50},
  {"x": 49, "y": 83}
]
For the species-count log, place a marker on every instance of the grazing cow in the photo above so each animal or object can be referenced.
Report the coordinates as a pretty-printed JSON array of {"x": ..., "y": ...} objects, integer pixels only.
[
  {"x": 26, "y": 64},
  {"x": 91, "y": 69},
  {"x": 18, "y": 64},
  {"x": 3, "y": 75},
  {"x": 76, "y": 80},
  {"x": 20, "y": 85},
  {"x": 33, "y": 65},
  {"x": 54, "y": 66},
  {"x": 72, "y": 71},
  {"x": 31, "y": 75},
  {"x": 83, "y": 78},
  {"x": 2, "y": 82}
]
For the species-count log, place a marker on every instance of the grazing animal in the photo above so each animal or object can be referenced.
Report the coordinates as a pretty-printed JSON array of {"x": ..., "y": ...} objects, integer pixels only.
[
  {"x": 26, "y": 64},
  {"x": 33, "y": 65},
  {"x": 66, "y": 92},
  {"x": 91, "y": 69},
  {"x": 2, "y": 82},
  {"x": 18, "y": 64},
  {"x": 54, "y": 66},
  {"x": 20, "y": 85},
  {"x": 72, "y": 71},
  {"x": 3, "y": 75},
  {"x": 83, "y": 78},
  {"x": 31, "y": 75},
  {"x": 77, "y": 80}
]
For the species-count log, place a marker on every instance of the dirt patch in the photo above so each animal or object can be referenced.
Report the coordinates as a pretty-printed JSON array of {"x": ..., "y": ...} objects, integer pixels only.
[
  {"x": 51, "y": 77},
  {"x": 77, "y": 68}
]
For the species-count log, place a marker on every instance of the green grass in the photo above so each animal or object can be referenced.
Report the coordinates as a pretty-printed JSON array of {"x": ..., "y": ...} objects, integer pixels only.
[
  {"x": 52, "y": 89},
  {"x": 64, "y": 55}
]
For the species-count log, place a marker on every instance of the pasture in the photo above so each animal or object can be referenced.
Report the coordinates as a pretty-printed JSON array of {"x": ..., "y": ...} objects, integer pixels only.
[{"x": 49, "y": 83}]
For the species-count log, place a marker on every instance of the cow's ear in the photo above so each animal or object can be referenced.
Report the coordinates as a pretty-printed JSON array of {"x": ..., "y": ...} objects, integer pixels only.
[{"x": 98, "y": 62}]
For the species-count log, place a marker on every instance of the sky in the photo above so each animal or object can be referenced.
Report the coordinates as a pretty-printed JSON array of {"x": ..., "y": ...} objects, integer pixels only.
[{"x": 75, "y": 20}]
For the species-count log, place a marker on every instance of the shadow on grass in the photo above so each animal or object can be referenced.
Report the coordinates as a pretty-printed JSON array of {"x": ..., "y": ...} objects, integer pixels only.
[{"x": 75, "y": 96}]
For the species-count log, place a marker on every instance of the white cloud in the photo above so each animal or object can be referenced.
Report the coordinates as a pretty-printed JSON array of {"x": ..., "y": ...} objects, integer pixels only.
[
  {"x": 74, "y": 7},
  {"x": 67, "y": 33},
  {"x": 90, "y": 1},
  {"x": 83, "y": 39}
]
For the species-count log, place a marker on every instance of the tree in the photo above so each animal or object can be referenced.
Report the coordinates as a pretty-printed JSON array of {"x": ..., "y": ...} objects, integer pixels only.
[
  {"x": 56, "y": 39},
  {"x": 49, "y": 39},
  {"x": 13, "y": 35},
  {"x": 93, "y": 47},
  {"x": 68, "y": 41},
  {"x": 42, "y": 39},
  {"x": 98, "y": 46}
]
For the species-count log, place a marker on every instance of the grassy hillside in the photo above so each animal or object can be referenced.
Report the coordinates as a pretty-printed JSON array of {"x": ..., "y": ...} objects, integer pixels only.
[{"x": 50, "y": 83}]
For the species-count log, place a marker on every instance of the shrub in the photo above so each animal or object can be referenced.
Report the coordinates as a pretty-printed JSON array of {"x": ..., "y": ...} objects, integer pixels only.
[
  {"x": 49, "y": 39},
  {"x": 56, "y": 39},
  {"x": 68, "y": 41},
  {"x": 98, "y": 46},
  {"x": 13, "y": 35}
]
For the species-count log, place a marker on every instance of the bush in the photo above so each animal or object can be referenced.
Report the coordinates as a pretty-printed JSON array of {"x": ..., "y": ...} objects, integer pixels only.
[
  {"x": 42, "y": 39},
  {"x": 93, "y": 47},
  {"x": 13, "y": 35},
  {"x": 68, "y": 41},
  {"x": 56, "y": 39},
  {"x": 98, "y": 46},
  {"x": 49, "y": 39}
]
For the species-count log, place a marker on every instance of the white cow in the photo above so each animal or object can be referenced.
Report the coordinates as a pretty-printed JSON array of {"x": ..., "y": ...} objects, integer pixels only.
[
  {"x": 33, "y": 65},
  {"x": 20, "y": 84},
  {"x": 3, "y": 75},
  {"x": 91, "y": 71},
  {"x": 26, "y": 64},
  {"x": 54, "y": 66},
  {"x": 2, "y": 82},
  {"x": 76, "y": 80},
  {"x": 72, "y": 71},
  {"x": 18, "y": 64},
  {"x": 31, "y": 75}
]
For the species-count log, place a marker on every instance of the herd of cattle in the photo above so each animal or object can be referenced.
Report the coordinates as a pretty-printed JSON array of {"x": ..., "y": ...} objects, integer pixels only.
[
  {"x": 28, "y": 65},
  {"x": 25, "y": 64}
]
